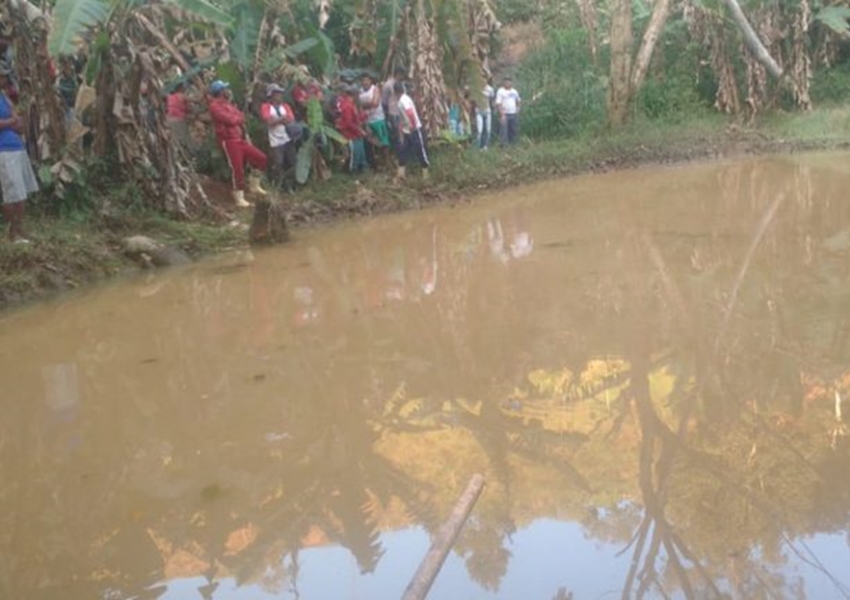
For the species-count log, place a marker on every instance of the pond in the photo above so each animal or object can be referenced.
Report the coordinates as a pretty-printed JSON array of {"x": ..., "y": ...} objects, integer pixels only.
[{"x": 650, "y": 369}]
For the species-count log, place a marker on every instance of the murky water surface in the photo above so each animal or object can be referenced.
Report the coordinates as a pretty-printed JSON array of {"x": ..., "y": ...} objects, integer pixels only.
[{"x": 650, "y": 368}]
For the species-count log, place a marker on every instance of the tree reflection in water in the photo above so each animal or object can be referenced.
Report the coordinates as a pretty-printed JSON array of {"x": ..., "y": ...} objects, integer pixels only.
[{"x": 666, "y": 380}]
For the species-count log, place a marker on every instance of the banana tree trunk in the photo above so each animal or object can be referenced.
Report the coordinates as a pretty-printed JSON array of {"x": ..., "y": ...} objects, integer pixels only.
[
  {"x": 33, "y": 65},
  {"x": 428, "y": 71},
  {"x": 619, "y": 85}
]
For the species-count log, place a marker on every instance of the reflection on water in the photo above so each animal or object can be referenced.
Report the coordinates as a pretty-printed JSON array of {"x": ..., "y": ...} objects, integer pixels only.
[{"x": 651, "y": 369}]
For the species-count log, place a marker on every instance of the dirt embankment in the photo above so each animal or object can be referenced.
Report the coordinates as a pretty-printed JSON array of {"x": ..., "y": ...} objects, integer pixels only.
[{"x": 65, "y": 256}]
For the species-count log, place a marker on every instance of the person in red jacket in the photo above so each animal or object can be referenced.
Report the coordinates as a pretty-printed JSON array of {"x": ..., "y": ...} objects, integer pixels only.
[
  {"x": 229, "y": 123},
  {"x": 349, "y": 122}
]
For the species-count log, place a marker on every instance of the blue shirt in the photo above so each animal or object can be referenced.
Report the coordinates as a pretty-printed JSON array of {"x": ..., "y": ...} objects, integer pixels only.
[{"x": 10, "y": 141}]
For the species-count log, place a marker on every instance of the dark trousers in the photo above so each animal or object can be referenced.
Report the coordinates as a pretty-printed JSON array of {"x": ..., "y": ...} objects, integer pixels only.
[
  {"x": 282, "y": 166},
  {"x": 413, "y": 146},
  {"x": 509, "y": 130}
]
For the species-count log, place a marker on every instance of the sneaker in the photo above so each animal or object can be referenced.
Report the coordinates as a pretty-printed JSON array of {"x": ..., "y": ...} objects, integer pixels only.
[{"x": 22, "y": 241}]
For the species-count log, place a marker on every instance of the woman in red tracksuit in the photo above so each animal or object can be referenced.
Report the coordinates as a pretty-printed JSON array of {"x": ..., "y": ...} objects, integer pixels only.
[{"x": 229, "y": 124}]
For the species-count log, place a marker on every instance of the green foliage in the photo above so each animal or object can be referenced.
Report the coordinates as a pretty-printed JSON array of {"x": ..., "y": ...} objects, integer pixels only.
[
  {"x": 836, "y": 18},
  {"x": 204, "y": 10},
  {"x": 831, "y": 84},
  {"x": 516, "y": 11},
  {"x": 562, "y": 94},
  {"x": 246, "y": 32},
  {"x": 71, "y": 19}
]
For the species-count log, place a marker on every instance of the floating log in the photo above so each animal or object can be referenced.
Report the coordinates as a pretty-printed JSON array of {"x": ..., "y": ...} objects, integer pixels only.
[{"x": 430, "y": 567}]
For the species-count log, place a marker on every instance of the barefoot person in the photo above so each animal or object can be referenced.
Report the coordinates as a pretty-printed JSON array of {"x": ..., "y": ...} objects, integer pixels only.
[
  {"x": 229, "y": 124},
  {"x": 17, "y": 179}
]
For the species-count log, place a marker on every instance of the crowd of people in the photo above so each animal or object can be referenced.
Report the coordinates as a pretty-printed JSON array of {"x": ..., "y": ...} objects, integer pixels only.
[{"x": 378, "y": 120}]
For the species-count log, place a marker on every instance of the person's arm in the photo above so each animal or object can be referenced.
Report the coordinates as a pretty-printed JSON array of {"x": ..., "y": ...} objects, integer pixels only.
[
  {"x": 269, "y": 118},
  {"x": 13, "y": 122},
  {"x": 229, "y": 115},
  {"x": 498, "y": 103}
]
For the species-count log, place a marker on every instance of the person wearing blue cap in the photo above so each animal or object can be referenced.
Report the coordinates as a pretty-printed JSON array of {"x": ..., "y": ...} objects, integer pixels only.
[{"x": 229, "y": 123}]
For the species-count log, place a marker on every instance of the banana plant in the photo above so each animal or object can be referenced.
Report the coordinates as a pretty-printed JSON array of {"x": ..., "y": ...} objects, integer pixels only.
[{"x": 72, "y": 21}]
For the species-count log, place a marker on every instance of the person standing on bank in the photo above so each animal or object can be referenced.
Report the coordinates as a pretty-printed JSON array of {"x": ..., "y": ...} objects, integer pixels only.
[
  {"x": 229, "y": 124},
  {"x": 390, "y": 102},
  {"x": 411, "y": 137},
  {"x": 370, "y": 102},
  {"x": 277, "y": 115},
  {"x": 508, "y": 104},
  {"x": 484, "y": 115},
  {"x": 17, "y": 179}
]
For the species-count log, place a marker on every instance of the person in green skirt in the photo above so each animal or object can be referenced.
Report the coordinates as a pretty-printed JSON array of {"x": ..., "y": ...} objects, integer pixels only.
[{"x": 378, "y": 134}]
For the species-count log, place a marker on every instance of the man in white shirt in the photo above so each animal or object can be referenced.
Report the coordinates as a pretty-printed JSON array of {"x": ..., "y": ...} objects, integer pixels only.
[
  {"x": 411, "y": 137},
  {"x": 508, "y": 104}
]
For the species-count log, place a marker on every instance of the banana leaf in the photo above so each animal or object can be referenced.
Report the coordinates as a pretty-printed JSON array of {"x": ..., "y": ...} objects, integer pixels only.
[
  {"x": 304, "y": 162},
  {"x": 72, "y": 19}
]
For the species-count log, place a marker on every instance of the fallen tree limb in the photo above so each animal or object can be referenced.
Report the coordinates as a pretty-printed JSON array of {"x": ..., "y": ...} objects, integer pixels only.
[
  {"x": 751, "y": 39},
  {"x": 427, "y": 572}
]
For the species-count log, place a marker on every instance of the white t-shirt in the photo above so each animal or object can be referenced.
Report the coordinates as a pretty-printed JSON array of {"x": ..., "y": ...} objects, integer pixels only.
[
  {"x": 405, "y": 104},
  {"x": 508, "y": 100},
  {"x": 277, "y": 133},
  {"x": 373, "y": 115}
]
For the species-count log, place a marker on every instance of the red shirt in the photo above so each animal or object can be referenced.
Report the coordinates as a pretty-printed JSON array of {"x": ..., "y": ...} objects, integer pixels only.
[
  {"x": 227, "y": 119},
  {"x": 177, "y": 106},
  {"x": 302, "y": 93},
  {"x": 349, "y": 119}
]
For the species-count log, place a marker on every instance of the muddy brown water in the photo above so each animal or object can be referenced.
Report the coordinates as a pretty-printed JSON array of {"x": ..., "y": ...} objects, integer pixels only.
[{"x": 650, "y": 368}]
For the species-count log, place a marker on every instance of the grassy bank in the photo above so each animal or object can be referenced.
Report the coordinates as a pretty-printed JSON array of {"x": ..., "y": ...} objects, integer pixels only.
[{"x": 71, "y": 251}]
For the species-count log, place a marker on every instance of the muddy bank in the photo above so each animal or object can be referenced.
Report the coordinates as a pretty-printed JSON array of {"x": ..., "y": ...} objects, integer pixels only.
[
  {"x": 461, "y": 174},
  {"x": 67, "y": 255}
]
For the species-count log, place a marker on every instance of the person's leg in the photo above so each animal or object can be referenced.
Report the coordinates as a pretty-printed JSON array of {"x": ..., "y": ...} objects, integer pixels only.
[
  {"x": 254, "y": 157},
  {"x": 479, "y": 129},
  {"x": 233, "y": 154},
  {"x": 503, "y": 130},
  {"x": 13, "y": 214},
  {"x": 402, "y": 153},
  {"x": 290, "y": 156},
  {"x": 513, "y": 129},
  {"x": 488, "y": 129},
  {"x": 276, "y": 165},
  {"x": 236, "y": 160},
  {"x": 360, "y": 161},
  {"x": 420, "y": 147}
]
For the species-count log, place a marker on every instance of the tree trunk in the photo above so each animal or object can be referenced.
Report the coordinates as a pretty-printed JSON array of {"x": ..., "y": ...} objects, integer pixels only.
[
  {"x": 427, "y": 57},
  {"x": 752, "y": 40},
  {"x": 619, "y": 85},
  {"x": 590, "y": 21},
  {"x": 660, "y": 12}
]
